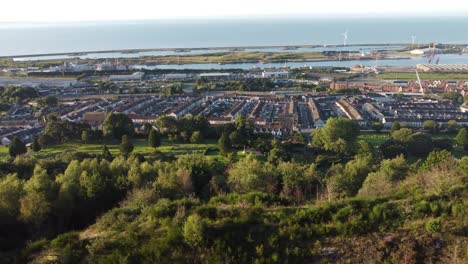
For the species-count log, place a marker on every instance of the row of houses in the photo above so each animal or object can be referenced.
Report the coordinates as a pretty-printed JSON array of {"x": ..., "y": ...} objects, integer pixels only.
[
  {"x": 25, "y": 134},
  {"x": 428, "y": 86}
]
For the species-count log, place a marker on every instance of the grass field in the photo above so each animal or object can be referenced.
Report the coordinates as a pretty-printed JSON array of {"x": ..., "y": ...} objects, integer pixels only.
[
  {"x": 140, "y": 147},
  {"x": 176, "y": 149},
  {"x": 377, "y": 139},
  {"x": 238, "y": 57},
  {"x": 422, "y": 75},
  {"x": 374, "y": 138}
]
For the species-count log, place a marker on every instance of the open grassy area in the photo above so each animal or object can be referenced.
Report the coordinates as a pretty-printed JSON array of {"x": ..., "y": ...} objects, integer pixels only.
[
  {"x": 377, "y": 139},
  {"x": 422, "y": 75},
  {"x": 141, "y": 147},
  {"x": 176, "y": 149},
  {"x": 3, "y": 152},
  {"x": 237, "y": 57},
  {"x": 374, "y": 138}
]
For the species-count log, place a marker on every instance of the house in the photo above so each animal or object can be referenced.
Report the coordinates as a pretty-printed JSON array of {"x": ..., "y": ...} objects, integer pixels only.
[
  {"x": 185, "y": 108},
  {"x": 275, "y": 74},
  {"x": 142, "y": 119},
  {"x": 5, "y": 141},
  {"x": 136, "y": 76},
  {"x": 94, "y": 119}
]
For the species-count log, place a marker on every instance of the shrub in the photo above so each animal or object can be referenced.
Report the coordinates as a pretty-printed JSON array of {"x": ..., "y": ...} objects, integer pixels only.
[
  {"x": 193, "y": 230},
  {"x": 434, "y": 225}
]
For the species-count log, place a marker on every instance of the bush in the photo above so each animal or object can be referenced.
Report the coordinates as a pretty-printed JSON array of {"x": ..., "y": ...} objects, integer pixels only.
[
  {"x": 70, "y": 247},
  {"x": 434, "y": 225},
  {"x": 422, "y": 209},
  {"x": 193, "y": 230}
]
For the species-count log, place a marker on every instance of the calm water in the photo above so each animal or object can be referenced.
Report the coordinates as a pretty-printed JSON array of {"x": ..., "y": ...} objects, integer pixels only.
[
  {"x": 445, "y": 59},
  {"x": 23, "y": 39}
]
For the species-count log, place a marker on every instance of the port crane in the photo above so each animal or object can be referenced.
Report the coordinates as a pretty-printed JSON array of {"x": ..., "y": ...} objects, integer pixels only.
[{"x": 421, "y": 90}]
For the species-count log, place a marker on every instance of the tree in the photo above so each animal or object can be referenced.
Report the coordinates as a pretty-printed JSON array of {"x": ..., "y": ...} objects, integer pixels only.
[
  {"x": 277, "y": 154},
  {"x": 377, "y": 126},
  {"x": 338, "y": 135},
  {"x": 403, "y": 135},
  {"x": 193, "y": 230},
  {"x": 420, "y": 145},
  {"x": 435, "y": 158},
  {"x": 236, "y": 139},
  {"x": 196, "y": 138},
  {"x": 355, "y": 172},
  {"x": 431, "y": 126},
  {"x": 384, "y": 180},
  {"x": 85, "y": 136},
  {"x": 125, "y": 147},
  {"x": 11, "y": 190},
  {"x": 391, "y": 149},
  {"x": 443, "y": 143},
  {"x": 395, "y": 126},
  {"x": 106, "y": 153},
  {"x": 452, "y": 126},
  {"x": 16, "y": 147},
  {"x": 48, "y": 101},
  {"x": 462, "y": 137},
  {"x": 250, "y": 174},
  {"x": 196, "y": 170},
  {"x": 34, "y": 208},
  {"x": 298, "y": 180},
  {"x": 299, "y": 138},
  {"x": 36, "y": 204},
  {"x": 224, "y": 144},
  {"x": 45, "y": 140},
  {"x": 167, "y": 124},
  {"x": 154, "y": 139},
  {"x": 35, "y": 146},
  {"x": 185, "y": 136},
  {"x": 116, "y": 125}
]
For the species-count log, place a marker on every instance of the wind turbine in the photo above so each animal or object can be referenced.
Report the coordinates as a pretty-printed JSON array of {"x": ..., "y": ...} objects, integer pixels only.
[
  {"x": 413, "y": 40},
  {"x": 345, "y": 38}
]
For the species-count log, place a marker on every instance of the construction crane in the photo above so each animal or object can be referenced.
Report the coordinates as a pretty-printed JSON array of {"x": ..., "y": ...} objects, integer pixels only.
[
  {"x": 433, "y": 53},
  {"x": 438, "y": 57},
  {"x": 421, "y": 90}
]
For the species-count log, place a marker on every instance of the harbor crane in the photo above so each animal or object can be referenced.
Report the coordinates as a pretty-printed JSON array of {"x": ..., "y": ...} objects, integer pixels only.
[{"x": 421, "y": 90}]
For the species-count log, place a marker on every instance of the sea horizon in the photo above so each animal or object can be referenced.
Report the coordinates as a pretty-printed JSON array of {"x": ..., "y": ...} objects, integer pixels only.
[{"x": 22, "y": 38}]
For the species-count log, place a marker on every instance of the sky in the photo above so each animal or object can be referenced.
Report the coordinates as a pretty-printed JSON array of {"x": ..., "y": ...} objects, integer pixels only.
[{"x": 105, "y": 10}]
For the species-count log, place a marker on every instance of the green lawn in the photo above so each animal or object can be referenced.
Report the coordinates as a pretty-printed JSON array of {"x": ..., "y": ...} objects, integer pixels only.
[
  {"x": 3, "y": 152},
  {"x": 377, "y": 139},
  {"x": 422, "y": 75},
  {"x": 176, "y": 149},
  {"x": 374, "y": 138},
  {"x": 141, "y": 147}
]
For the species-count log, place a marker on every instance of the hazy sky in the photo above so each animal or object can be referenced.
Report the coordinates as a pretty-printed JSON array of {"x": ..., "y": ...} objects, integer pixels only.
[{"x": 90, "y": 10}]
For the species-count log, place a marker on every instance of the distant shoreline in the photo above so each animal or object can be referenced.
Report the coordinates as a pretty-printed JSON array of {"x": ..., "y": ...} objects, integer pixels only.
[{"x": 187, "y": 50}]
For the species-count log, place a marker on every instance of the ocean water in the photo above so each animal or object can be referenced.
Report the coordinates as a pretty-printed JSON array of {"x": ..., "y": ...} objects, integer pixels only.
[{"x": 22, "y": 39}]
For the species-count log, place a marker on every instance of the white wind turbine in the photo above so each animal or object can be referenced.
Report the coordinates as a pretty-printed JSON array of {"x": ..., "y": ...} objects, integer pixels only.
[
  {"x": 413, "y": 41},
  {"x": 345, "y": 38}
]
